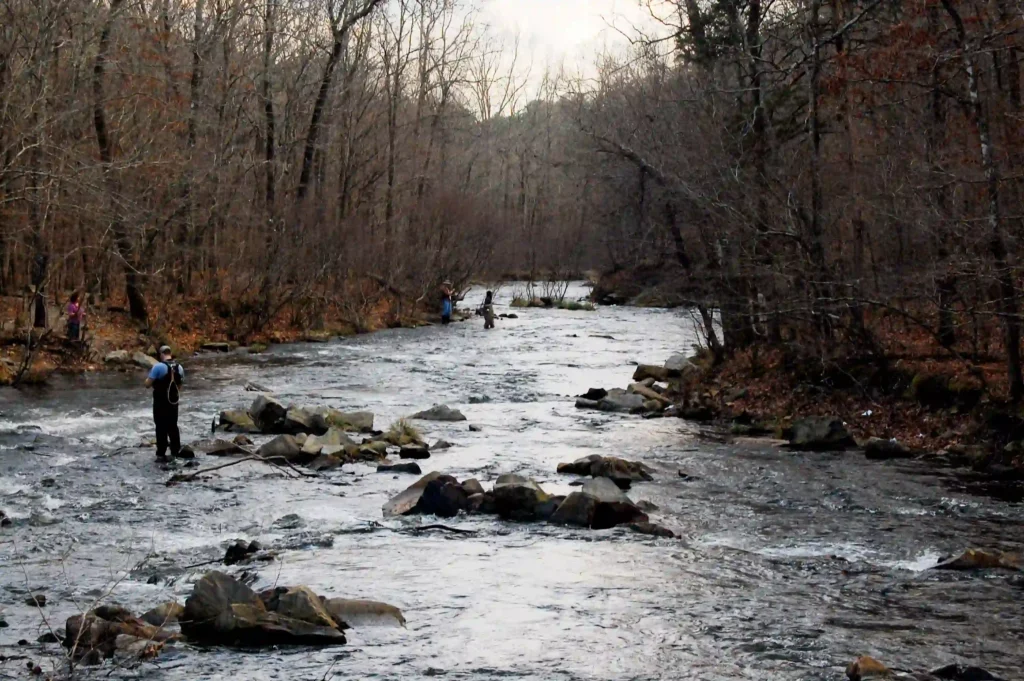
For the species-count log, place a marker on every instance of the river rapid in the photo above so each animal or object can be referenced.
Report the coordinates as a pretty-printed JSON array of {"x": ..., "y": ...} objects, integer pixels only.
[{"x": 789, "y": 565}]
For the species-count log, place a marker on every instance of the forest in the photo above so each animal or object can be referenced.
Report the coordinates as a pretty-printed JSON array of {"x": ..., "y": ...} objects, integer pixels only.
[{"x": 838, "y": 179}]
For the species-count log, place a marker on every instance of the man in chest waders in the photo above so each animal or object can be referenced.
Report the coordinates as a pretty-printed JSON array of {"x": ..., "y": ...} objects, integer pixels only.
[{"x": 165, "y": 379}]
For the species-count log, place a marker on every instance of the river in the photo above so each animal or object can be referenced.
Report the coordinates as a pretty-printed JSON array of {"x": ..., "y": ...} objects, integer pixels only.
[{"x": 788, "y": 566}]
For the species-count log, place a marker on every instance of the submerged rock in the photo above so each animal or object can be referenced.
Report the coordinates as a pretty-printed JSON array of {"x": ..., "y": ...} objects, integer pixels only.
[
  {"x": 441, "y": 445},
  {"x": 652, "y": 530},
  {"x": 359, "y": 613},
  {"x": 620, "y": 471},
  {"x": 819, "y": 433},
  {"x": 440, "y": 412},
  {"x": 980, "y": 559}
]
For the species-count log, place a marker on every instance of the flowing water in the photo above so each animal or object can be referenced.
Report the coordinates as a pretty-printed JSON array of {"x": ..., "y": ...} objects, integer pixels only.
[{"x": 788, "y": 566}]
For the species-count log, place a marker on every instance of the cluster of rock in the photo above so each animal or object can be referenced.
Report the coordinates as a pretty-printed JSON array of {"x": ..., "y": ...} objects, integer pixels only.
[
  {"x": 652, "y": 392},
  {"x": 269, "y": 416},
  {"x": 620, "y": 471},
  {"x": 223, "y": 611},
  {"x": 318, "y": 437},
  {"x": 980, "y": 559},
  {"x": 865, "y": 667},
  {"x": 599, "y": 505}
]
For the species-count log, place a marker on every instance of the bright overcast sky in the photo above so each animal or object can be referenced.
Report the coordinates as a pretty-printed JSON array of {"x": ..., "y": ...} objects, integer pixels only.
[{"x": 572, "y": 32}]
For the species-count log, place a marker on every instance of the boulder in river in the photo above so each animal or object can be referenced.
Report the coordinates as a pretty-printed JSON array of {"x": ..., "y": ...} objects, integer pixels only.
[
  {"x": 680, "y": 364},
  {"x": 237, "y": 421},
  {"x": 865, "y": 668},
  {"x": 240, "y": 551},
  {"x": 304, "y": 420},
  {"x": 472, "y": 486},
  {"x": 223, "y": 611},
  {"x": 283, "y": 447},
  {"x": 268, "y": 413},
  {"x": 518, "y": 498},
  {"x": 299, "y": 603},
  {"x": 620, "y": 471},
  {"x": 819, "y": 433},
  {"x": 577, "y": 509},
  {"x": 980, "y": 559},
  {"x": 405, "y": 502},
  {"x": 408, "y": 467},
  {"x": 443, "y": 497},
  {"x": 613, "y": 507},
  {"x": 579, "y": 466},
  {"x": 334, "y": 437},
  {"x": 441, "y": 445},
  {"x": 165, "y": 614},
  {"x": 879, "y": 449},
  {"x": 440, "y": 412}
]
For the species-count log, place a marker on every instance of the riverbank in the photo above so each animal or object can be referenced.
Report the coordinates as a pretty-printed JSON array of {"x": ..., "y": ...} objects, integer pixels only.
[{"x": 187, "y": 325}]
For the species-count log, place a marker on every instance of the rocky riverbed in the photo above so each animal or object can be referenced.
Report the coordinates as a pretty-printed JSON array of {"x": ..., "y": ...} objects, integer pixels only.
[{"x": 784, "y": 564}]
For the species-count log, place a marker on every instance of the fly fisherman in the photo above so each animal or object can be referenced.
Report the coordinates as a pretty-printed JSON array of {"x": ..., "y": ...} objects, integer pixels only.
[{"x": 165, "y": 379}]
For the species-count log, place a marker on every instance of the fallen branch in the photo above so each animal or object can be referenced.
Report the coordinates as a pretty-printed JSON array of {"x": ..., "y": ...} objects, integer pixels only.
[{"x": 179, "y": 477}]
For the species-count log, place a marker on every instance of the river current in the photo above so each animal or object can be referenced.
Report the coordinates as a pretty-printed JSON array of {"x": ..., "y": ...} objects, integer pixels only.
[{"x": 788, "y": 565}]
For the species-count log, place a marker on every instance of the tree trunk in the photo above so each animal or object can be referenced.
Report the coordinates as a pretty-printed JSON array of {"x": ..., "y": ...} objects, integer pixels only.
[
  {"x": 1004, "y": 271},
  {"x": 122, "y": 239}
]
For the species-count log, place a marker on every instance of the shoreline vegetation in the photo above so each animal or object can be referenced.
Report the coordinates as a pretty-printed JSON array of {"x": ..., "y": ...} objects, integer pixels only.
[{"x": 902, "y": 398}]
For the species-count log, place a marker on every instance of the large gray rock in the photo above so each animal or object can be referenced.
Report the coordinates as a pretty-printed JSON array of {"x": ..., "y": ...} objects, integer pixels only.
[
  {"x": 304, "y": 420},
  {"x": 645, "y": 371},
  {"x": 237, "y": 421},
  {"x": 283, "y": 447},
  {"x": 819, "y": 433},
  {"x": 440, "y": 412},
  {"x": 268, "y": 413},
  {"x": 578, "y": 509},
  {"x": 117, "y": 357},
  {"x": 405, "y": 503},
  {"x": 679, "y": 365},
  {"x": 613, "y": 506},
  {"x": 143, "y": 360},
  {"x": 579, "y": 466},
  {"x": 223, "y": 611}
]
